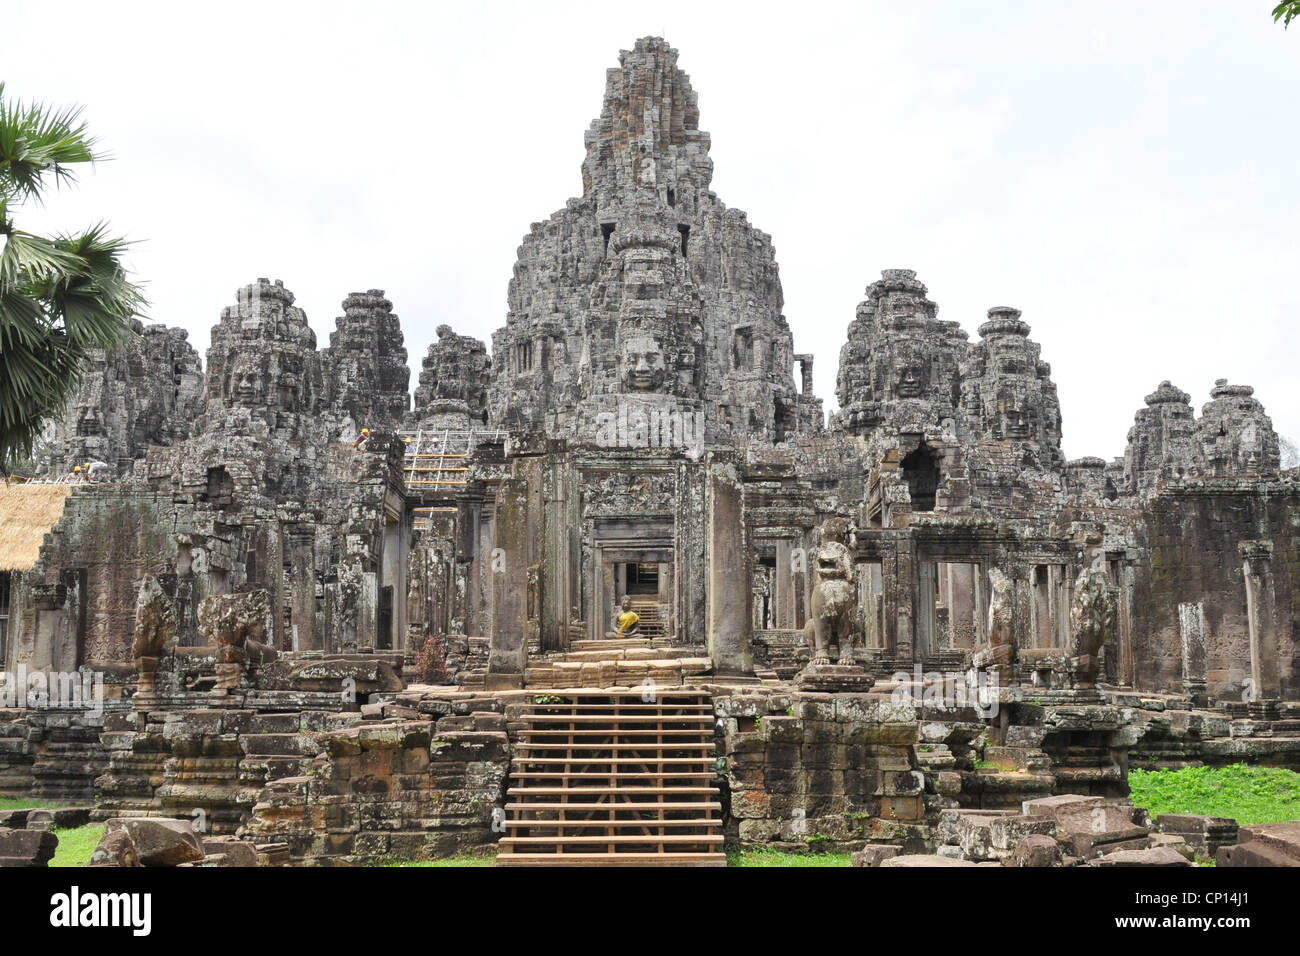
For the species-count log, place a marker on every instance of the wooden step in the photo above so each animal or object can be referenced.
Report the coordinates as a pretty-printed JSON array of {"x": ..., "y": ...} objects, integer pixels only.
[
  {"x": 592, "y": 791},
  {"x": 615, "y": 775},
  {"x": 704, "y": 721},
  {"x": 612, "y": 859},
  {"x": 692, "y": 838},
  {"x": 582, "y": 780},
  {"x": 550, "y": 732},
  {"x": 597, "y": 823},
  {"x": 615, "y": 761},
  {"x": 698, "y": 805},
  {"x": 645, "y": 745}
]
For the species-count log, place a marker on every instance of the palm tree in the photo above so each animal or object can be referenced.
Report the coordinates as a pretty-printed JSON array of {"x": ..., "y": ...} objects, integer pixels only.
[{"x": 60, "y": 297}]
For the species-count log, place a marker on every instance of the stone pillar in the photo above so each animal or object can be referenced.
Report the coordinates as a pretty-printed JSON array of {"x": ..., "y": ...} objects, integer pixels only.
[
  {"x": 1257, "y": 565},
  {"x": 925, "y": 624},
  {"x": 1191, "y": 624},
  {"x": 510, "y": 560},
  {"x": 784, "y": 596},
  {"x": 730, "y": 564},
  {"x": 556, "y": 596},
  {"x": 900, "y": 607}
]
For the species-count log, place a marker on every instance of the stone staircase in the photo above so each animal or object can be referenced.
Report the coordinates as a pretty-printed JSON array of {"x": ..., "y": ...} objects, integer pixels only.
[
  {"x": 606, "y": 777},
  {"x": 629, "y": 662},
  {"x": 651, "y": 626}
]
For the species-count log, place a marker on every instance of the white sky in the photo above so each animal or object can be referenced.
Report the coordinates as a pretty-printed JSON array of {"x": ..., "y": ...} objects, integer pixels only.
[{"x": 1126, "y": 178}]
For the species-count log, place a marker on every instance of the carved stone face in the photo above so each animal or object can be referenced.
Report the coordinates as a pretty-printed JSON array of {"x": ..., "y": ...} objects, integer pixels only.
[
  {"x": 908, "y": 381},
  {"x": 643, "y": 363},
  {"x": 1015, "y": 423},
  {"x": 246, "y": 384}
]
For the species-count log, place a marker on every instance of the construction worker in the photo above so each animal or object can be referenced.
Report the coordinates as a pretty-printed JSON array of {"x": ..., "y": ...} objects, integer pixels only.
[
  {"x": 97, "y": 470},
  {"x": 361, "y": 438},
  {"x": 76, "y": 473}
]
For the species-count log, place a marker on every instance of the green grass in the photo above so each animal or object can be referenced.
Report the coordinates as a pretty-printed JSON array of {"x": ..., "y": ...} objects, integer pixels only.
[
  {"x": 486, "y": 859},
  {"x": 1245, "y": 793},
  {"x": 27, "y": 803},
  {"x": 734, "y": 858},
  {"x": 768, "y": 857},
  {"x": 76, "y": 845}
]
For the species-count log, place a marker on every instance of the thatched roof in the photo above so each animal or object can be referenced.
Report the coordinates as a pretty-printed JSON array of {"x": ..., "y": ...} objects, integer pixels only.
[{"x": 27, "y": 513}]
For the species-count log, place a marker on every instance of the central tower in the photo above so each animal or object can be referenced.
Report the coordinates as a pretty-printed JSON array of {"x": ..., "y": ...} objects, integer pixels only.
[{"x": 647, "y": 290}]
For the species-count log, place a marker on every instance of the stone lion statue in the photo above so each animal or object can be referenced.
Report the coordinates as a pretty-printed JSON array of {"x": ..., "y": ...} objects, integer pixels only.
[
  {"x": 834, "y": 604},
  {"x": 1092, "y": 621},
  {"x": 235, "y": 624},
  {"x": 155, "y": 620},
  {"x": 156, "y": 623}
]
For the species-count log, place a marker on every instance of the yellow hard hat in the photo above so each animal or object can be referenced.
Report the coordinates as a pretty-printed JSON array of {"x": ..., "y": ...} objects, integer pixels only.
[
  {"x": 77, "y": 468},
  {"x": 365, "y": 431}
]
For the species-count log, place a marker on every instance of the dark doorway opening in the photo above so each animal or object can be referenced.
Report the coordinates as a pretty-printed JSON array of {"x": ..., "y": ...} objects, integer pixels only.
[
  {"x": 921, "y": 472},
  {"x": 643, "y": 579},
  {"x": 385, "y": 637}
]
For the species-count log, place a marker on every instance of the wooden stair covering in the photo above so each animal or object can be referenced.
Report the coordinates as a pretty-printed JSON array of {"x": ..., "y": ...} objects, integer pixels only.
[
  {"x": 605, "y": 778},
  {"x": 650, "y": 627}
]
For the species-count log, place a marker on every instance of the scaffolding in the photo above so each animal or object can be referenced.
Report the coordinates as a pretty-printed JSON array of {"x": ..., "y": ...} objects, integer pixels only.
[{"x": 437, "y": 464}]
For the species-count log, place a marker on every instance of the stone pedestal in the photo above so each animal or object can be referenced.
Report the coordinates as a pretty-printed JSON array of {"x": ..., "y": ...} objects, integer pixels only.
[{"x": 834, "y": 679}]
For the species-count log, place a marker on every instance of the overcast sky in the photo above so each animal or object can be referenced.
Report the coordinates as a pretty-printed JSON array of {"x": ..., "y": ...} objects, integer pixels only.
[{"x": 1128, "y": 179}]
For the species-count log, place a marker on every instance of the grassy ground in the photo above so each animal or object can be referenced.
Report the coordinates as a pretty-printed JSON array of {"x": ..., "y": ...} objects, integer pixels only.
[
  {"x": 76, "y": 845},
  {"x": 1246, "y": 794},
  {"x": 734, "y": 858},
  {"x": 462, "y": 860},
  {"x": 26, "y": 803},
  {"x": 780, "y": 858}
]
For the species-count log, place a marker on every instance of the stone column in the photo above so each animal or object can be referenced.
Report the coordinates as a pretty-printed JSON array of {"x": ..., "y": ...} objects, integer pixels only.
[
  {"x": 556, "y": 597},
  {"x": 509, "y": 562},
  {"x": 730, "y": 574},
  {"x": 784, "y": 597},
  {"x": 1257, "y": 566},
  {"x": 925, "y": 624},
  {"x": 1191, "y": 624}
]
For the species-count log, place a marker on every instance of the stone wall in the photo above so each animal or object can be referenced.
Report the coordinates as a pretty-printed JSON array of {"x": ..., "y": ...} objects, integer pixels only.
[
  {"x": 811, "y": 769},
  {"x": 1200, "y": 536}
]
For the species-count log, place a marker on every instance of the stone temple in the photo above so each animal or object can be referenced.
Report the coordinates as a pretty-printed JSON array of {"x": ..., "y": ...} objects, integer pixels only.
[{"x": 890, "y": 628}]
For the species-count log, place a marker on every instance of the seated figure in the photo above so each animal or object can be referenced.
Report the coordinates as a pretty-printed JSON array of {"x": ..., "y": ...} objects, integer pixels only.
[{"x": 628, "y": 623}]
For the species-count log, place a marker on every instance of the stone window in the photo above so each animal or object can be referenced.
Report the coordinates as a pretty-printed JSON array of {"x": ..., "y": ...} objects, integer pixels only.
[
  {"x": 742, "y": 349},
  {"x": 686, "y": 237},
  {"x": 524, "y": 356},
  {"x": 606, "y": 232}
]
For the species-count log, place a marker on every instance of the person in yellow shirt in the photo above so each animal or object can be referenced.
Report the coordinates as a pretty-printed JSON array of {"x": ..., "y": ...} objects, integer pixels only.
[{"x": 628, "y": 621}]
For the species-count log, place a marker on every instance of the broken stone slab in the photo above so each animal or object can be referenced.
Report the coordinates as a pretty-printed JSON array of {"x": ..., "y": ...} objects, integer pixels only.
[
  {"x": 1050, "y": 805},
  {"x": 1035, "y": 850},
  {"x": 1153, "y": 856},
  {"x": 924, "y": 860},
  {"x": 115, "y": 849},
  {"x": 1203, "y": 832},
  {"x": 231, "y": 850},
  {"x": 160, "y": 841},
  {"x": 14, "y": 819},
  {"x": 27, "y": 848},
  {"x": 1266, "y": 844},
  {"x": 1174, "y": 842},
  {"x": 58, "y": 818},
  {"x": 874, "y": 855}
]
